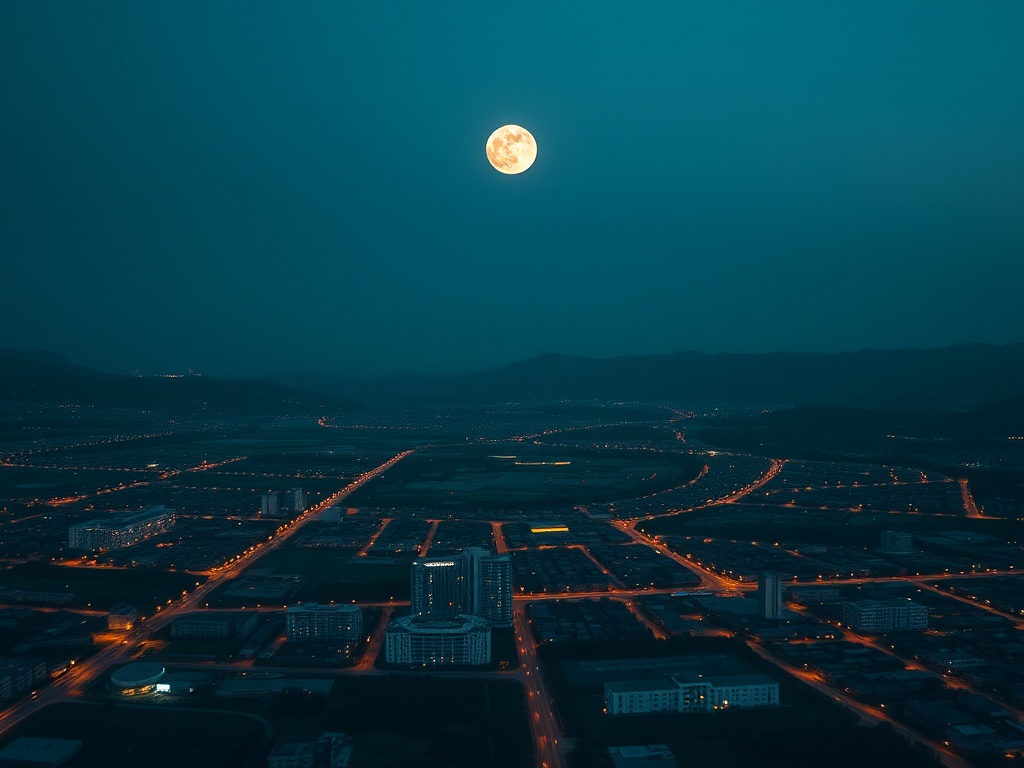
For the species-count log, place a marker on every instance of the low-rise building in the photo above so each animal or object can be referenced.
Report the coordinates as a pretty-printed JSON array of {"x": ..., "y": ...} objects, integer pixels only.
[
  {"x": 213, "y": 625},
  {"x": 39, "y": 753},
  {"x": 20, "y": 675},
  {"x": 896, "y": 543},
  {"x": 313, "y": 621},
  {"x": 684, "y": 694},
  {"x": 463, "y": 640},
  {"x": 120, "y": 531},
  {"x": 290, "y": 754},
  {"x": 880, "y": 616},
  {"x": 122, "y": 617}
]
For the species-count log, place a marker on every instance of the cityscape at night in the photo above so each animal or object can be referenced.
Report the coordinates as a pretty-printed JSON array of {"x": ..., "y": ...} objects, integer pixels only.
[{"x": 545, "y": 386}]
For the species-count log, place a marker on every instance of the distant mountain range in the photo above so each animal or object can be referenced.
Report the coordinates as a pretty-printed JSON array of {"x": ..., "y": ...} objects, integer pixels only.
[
  {"x": 962, "y": 378},
  {"x": 43, "y": 377},
  {"x": 959, "y": 377}
]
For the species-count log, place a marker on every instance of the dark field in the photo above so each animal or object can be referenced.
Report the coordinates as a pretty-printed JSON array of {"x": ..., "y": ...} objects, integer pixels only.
[
  {"x": 157, "y": 737},
  {"x": 330, "y": 574},
  {"x": 100, "y": 588},
  {"x": 524, "y": 476}
]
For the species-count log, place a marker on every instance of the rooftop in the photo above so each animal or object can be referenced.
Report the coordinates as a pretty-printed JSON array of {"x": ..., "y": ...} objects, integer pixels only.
[{"x": 43, "y": 752}]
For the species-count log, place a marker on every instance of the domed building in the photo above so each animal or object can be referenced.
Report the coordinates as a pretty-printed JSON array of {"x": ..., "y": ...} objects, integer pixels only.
[
  {"x": 462, "y": 640},
  {"x": 137, "y": 678}
]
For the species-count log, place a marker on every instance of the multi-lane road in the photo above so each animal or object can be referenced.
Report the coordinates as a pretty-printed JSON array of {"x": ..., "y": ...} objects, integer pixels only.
[
  {"x": 74, "y": 682},
  {"x": 542, "y": 716}
]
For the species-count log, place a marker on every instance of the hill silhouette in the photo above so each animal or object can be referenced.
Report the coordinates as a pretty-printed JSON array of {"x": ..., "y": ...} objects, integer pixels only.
[{"x": 42, "y": 377}]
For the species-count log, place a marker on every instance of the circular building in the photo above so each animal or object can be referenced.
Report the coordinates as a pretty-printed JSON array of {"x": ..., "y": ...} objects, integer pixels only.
[
  {"x": 462, "y": 640},
  {"x": 137, "y": 678}
]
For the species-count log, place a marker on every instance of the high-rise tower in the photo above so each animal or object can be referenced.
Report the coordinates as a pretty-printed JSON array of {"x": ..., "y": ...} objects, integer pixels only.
[
  {"x": 491, "y": 586},
  {"x": 439, "y": 588},
  {"x": 475, "y": 582},
  {"x": 769, "y": 595}
]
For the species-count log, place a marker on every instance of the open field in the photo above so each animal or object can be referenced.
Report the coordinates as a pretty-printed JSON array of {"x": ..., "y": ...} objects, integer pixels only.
[
  {"x": 329, "y": 574},
  {"x": 27, "y": 484},
  {"x": 100, "y": 588},
  {"x": 429, "y": 721},
  {"x": 157, "y": 737},
  {"x": 526, "y": 476}
]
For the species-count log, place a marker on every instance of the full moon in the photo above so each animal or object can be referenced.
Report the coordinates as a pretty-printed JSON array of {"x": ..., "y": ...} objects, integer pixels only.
[{"x": 511, "y": 149}]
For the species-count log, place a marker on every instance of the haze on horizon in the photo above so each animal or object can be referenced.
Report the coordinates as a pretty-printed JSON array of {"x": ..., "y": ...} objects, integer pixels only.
[{"x": 244, "y": 188}]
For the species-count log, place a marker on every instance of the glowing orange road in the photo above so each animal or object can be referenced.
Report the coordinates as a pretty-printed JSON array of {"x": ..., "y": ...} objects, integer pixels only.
[
  {"x": 600, "y": 566},
  {"x": 539, "y": 706},
  {"x": 867, "y": 714},
  {"x": 708, "y": 578},
  {"x": 499, "y": 538},
  {"x": 425, "y": 547},
  {"x": 643, "y": 618},
  {"x": 376, "y": 642},
  {"x": 969, "y": 505},
  {"x": 764, "y": 479},
  {"x": 376, "y": 534},
  {"x": 74, "y": 682}
]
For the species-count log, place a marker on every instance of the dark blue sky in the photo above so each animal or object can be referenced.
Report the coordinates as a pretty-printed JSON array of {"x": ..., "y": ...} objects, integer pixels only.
[{"x": 248, "y": 187}]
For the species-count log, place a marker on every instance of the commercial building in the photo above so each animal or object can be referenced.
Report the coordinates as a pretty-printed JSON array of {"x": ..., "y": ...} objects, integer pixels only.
[
  {"x": 896, "y": 543},
  {"x": 122, "y": 617},
  {"x": 312, "y": 621},
  {"x": 491, "y": 586},
  {"x": 295, "y": 500},
  {"x": 643, "y": 756},
  {"x": 269, "y": 504},
  {"x": 475, "y": 582},
  {"x": 291, "y": 755},
  {"x": 769, "y": 595},
  {"x": 137, "y": 678},
  {"x": 121, "y": 531},
  {"x": 212, "y": 625},
  {"x": 882, "y": 616},
  {"x": 685, "y": 694},
  {"x": 439, "y": 589},
  {"x": 332, "y": 750},
  {"x": 39, "y": 753},
  {"x": 19, "y": 675},
  {"x": 461, "y": 640}
]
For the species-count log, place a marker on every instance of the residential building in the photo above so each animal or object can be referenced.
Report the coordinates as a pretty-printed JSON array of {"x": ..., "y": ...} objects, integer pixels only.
[
  {"x": 475, "y": 582},
  {"x": 214, "y": 625},
  {"x": 685, "y": 694},
  {"x": 896, "y": 543},
  {"x": 295, "y": 500},
  {"x": 120, "y": 531},
  {"x": 269, "y": 504},
  {"x": 769, "y": 595},
  {"x": 313, "y": 621},
  {"x": 21, "y": 674},
  {"x": 461, "y": 640},
  {"x": 880, "y": 616},
  {"x": 439, "y": 588},
  {"x": 491, "y": 585},
  {"x": 122, "y": 617}
]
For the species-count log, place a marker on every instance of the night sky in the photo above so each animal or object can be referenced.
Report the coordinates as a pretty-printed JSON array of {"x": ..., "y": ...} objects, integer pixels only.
[{"x": 251, "y": 187}]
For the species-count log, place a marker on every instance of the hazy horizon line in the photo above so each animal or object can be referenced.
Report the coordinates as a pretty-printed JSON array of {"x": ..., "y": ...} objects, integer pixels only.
[{"x": 467, "y": 370}]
